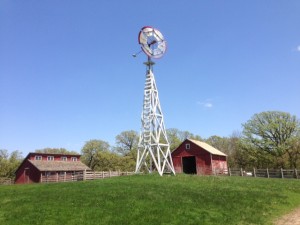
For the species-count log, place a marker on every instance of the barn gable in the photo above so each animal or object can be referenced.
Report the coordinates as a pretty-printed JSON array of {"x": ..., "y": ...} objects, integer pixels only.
[{"x": 196, "y": 157}]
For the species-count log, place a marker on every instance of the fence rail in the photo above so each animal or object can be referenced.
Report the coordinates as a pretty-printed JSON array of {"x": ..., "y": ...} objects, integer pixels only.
[
  {"x": 5, "y": 181},
  {"x": 265, "y": 173},
  {"x": 80, "y": 176}
]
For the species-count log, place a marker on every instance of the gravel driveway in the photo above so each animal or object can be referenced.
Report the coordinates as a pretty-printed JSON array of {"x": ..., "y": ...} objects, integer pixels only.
[{"x": 292, "y": 218}]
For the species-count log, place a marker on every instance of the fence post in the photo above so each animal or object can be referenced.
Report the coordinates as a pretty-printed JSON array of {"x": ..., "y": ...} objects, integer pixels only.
[
  {"x": 281, "y": 170},
  {"x": 229, "y": 172},
  {"x": 65, "y": 176},
  {"x": 41, "y": 177},
  {"x": 242, "y": 172},
  {"x": 268, "y": 175},
  {"x": 254, "y": 172},
  {"x": 295, "y": 173},
  {"x": 109, "y": 174},
  {"x": 84, "y": 178}
]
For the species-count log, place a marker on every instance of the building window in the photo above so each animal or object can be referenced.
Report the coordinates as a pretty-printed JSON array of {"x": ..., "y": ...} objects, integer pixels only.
[
  {"x": 62, "y": 173},
  {"x": 50, "y": 158},
  {"x": 64, "y": 158},
  {"x": 48, "y": 174},
  {"x": 74, "y": 159},
  {"x": 38, "y": 157},
  {"x": 187, "y": 146}
]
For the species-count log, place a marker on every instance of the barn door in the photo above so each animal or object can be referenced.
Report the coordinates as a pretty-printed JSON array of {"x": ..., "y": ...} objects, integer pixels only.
[
  {"x": 27, "y": 175},
  {"x": 189, "y": 165}
]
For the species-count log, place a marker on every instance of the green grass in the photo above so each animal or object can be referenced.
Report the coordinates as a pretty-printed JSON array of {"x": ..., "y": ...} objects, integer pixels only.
[{"x": 150, "y": 199}]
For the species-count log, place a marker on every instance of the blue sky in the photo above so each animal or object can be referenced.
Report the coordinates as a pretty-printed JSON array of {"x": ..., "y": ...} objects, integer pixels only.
[{"x": 67, "y": 74}]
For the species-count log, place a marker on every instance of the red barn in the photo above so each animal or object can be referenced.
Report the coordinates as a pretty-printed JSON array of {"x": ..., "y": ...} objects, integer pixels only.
[
  {"x": 37, "y": 166},
  {"x": 196, "y": 157}
]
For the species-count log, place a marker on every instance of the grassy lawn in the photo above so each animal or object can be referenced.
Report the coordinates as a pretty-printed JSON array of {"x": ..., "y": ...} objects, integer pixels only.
[{"x": 150, "y": 199}]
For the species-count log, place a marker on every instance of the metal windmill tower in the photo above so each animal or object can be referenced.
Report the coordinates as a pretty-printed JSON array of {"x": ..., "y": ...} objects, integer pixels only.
[{"x": 153, "y": 147}]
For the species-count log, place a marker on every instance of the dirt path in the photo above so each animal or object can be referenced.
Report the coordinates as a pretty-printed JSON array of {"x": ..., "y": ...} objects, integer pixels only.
[{"x": 292, "y": 218}]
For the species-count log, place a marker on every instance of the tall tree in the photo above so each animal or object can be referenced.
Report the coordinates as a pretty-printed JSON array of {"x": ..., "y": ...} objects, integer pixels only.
[
  {"x": 270, "y": 134},
  {"x": 9, "y": 162},
  {"x": 127, "y": 142},
  {"x": 230, "y": 146},
  {"x": 176, "y": 136},
  {"x": 55, "y": 151},
  {"x": 91, "y": 152},
  {"x": 173, "y": 138},
  {"x": 294, "y": 152},
  {"x": 218, "y": 142}
]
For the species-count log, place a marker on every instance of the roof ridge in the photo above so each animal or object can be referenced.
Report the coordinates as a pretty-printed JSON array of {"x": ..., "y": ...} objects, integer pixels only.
[{"x": 208, "y": 147}]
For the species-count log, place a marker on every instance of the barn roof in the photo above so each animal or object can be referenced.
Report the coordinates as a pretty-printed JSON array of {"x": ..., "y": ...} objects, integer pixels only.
[
  {"x": 52, "y": 154},
  {"x": 207, "y": 147},
  {"x": 43, "y": 165}
]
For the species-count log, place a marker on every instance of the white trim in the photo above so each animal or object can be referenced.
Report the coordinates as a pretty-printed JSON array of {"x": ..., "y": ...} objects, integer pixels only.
[
  {"x": 211, "y": 163},
  {"x": 38, "y": 157},
  {"x": 50, "y": 158}
]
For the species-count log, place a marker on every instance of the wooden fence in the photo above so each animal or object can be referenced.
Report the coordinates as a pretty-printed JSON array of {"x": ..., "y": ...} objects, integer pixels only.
[
  {"x": 5, "y": 181},
  {"x": 266, "y": 173},
  {"x": 80, "y": 176}
]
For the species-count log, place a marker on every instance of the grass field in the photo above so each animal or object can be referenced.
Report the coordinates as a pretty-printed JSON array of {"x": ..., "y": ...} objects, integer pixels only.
[{"x": 150, "y": 199}]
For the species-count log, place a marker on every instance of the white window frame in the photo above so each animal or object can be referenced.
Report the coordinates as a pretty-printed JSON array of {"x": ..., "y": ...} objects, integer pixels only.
[
  {"x": 187, "y": 146},
  {"x": 64, "y": 158},
  {"x": 74, "y": 159},
  {"x": 38, "y": 157},
  {"x": 50, "y": 158}
]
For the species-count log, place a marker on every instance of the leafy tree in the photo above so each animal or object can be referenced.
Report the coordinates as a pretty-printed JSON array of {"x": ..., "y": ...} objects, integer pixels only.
[
  {"x": 9, "y": 162},
  {"x": 231, "y": 147},
  {"x": 294, "y": 152},
  {"x": 127, "y": 163},
  {"x": 188, "y": 135},
  {"x": 4, "y": 163},
  {"x": 91, "y": 153},
  {"x": 218, "y": 142},
  {"x": 127, "y": 142},
  {"x": 173, "y": 138},
  {"x": 197, "y": 137},
  {"x": 56, "y": 151},
  {"x": 176, "y": 137},
  {"x": 105, "y": 160},
  {"x": 270, "y": 134}
]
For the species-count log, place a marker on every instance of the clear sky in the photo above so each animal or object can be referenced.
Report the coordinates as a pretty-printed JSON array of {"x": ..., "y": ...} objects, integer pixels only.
[{"x": 67, "y": 74}]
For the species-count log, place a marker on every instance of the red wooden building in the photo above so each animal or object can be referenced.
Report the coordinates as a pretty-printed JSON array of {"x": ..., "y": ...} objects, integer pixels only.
[
  {"x": 38, "y": 166},
  {"x": 196, "y": 157}
]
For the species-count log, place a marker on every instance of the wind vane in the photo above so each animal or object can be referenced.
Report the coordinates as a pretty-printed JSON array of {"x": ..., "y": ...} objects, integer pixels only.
[{"x": 153, "y": 146}]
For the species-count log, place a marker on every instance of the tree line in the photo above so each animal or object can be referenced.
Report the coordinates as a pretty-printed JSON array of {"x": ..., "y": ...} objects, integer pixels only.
[{"x": 268, "y": 140}]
